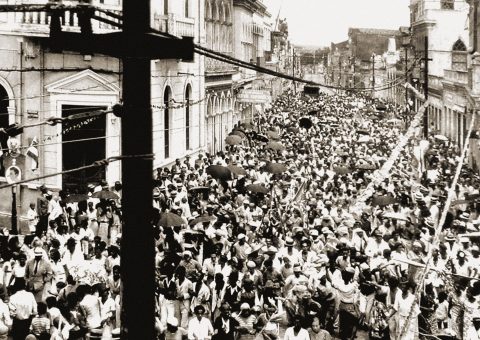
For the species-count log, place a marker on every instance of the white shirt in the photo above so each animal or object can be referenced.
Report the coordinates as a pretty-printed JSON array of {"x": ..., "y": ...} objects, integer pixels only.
[
  {"x": 302, "y": 334},
  {"x": 23, "y": 305},
  {"x": 199, "y": 330}
]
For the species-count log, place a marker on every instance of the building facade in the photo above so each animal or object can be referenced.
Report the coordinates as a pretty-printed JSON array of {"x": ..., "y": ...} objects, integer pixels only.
[
  {"x": 37, "y": 83},
  {"x": 219, "y": 104},
  {"x": 444, "y": 23}
]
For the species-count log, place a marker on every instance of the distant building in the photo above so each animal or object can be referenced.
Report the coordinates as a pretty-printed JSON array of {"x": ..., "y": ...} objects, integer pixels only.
[{"x": 374, "y": 56}]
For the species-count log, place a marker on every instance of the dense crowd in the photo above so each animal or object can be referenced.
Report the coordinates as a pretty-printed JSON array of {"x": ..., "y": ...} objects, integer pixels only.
[{"x": 290, "y": 233}]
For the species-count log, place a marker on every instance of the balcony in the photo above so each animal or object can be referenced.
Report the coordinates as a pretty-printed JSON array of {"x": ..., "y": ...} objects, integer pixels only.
[
  {"x": 216, "y": 67},
  {"x": 456, "y": 77},
  {"x": 37, "y": 23},
  {"x": 180, "y": 27}
]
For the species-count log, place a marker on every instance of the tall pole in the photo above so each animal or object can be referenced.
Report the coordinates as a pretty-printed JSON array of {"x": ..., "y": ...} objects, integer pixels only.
[
  {"x": 406, "y": 75},
  {"x": 425, "y": 89},
  {"x": 14, "y": 211},
  {"x": 138, "y": 256},
  {"x": 294, "y": 83},
  {"x": 373, "y": 74}
]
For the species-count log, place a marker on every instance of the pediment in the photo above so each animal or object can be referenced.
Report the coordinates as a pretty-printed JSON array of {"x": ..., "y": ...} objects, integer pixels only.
[{"x": 85, "y": 82}]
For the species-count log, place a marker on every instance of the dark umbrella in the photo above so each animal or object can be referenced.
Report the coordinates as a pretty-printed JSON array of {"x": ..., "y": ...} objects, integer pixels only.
[
  {"x": 276, "y": 146},
  {"x": 169, "y": 219},
  {"x": 105, "y": 195},
  {"x": 233, "y": 140},
  {"x": 341, "y": 170},
  {"x": 273, "y": 135},
  {"x": 275, "y": 168},
  {"x": 383, "y": 200},
  {"x": 239, "y": 133},
  {"x": 199, "y": 189},
  {"x": 363, "y": 132},
  {"x": 305, "y": 123},
  {"x": 261, "y": 138},
  {"x": 76, "y": 198},
  {"x": 257, "y": 188},
  {"x": 219, "y": 172},
  {"x": 313, "y": 113},
  {"x": 236, "y": 170},
  {"x": 201, "y": 219},
  {"x": 366, "y": 167},
  {"x": 381, "y": 107}
]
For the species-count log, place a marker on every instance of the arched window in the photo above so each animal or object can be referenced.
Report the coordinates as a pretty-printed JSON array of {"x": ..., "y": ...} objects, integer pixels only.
[
  {"x": 4, "y": 103},
  {"x": 186, "y": 9},
  {"x": 227, "y": 14},
  {"x": 188, "y": 95},
  {"x": 221, "y": 15},
  {"x": 167, "y": 95},
  {"x": 208, "y": 10},
  {"x": 459, "y": 56}
]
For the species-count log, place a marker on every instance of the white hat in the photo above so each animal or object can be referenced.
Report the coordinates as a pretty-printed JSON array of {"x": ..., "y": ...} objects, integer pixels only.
[{"x": 241, "y": 236}]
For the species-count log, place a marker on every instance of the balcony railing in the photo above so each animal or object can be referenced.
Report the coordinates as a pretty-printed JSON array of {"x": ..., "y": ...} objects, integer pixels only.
[
  {"x": 216, "y": 66},
  {"x": 37, "y": 23},
  {"x": 458, "y": 77},
  {"x": 181, "y": 27}
]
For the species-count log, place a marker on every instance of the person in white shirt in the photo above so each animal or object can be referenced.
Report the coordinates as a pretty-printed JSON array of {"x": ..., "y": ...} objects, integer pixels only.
[
  {"x": 32, "y": 217},
  {"x": 199, "y": 327},
  {"x": 296, "y": 332},
  {"x": 22, "y": 307}
]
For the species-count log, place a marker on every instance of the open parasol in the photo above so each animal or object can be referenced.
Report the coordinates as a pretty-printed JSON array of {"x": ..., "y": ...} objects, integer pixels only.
[
  {"x": 233, "y": 140},
  {"x": 239, "y": 133},
  {"x": 169, "y": 219},
  {"x": 363, "y": 132},
  {"x": 201, "y": 219},
  {"x": 366, "y": 167},
  {"x": 261, "y": 138},
  {"x": 275, "y": 168},
  {"x": 219, "y": 172},
  {"x": 105, "y": 195},
  {"x": 276, "y": 146},
  {"x": 383, "y": 200},
  {"x": 273, "y": 135},
  {"x": 363, "y": 139},
  {"x": 257, "y": 189},
  {"x": 381, "y": 107},
  {"x": 236, "y": 170},
  {"x": 341, "y": 170},
  {"x": 305, "y": 123},
  {"x": 199, "y": 189},
  {"x": 76, "y": 198}
]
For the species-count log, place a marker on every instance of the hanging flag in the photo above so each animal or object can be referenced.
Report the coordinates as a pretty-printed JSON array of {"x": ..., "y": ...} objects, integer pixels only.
[{"x": 32, "y": 152}]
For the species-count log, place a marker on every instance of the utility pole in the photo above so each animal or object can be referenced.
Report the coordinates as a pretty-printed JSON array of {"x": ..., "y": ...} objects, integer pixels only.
[
  {"x": 425, "y": 87},
  {"x": 406, "y": 75},
  {"x": 373, "y": 74},
  {"x": 137, "y": 246},
  {"x": 14, "y": 211},
  {"x": 294, "y": 83}
]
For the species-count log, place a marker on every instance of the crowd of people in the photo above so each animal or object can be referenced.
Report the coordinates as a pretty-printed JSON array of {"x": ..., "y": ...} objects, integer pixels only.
[{"x": 293, "y": 232}]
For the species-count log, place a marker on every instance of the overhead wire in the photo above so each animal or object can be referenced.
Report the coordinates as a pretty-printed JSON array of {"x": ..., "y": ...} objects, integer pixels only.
[{"x": 95, "y": 164}]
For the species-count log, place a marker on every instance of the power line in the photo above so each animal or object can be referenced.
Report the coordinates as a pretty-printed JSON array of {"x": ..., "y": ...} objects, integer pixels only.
[{"x": 95, "y": 164}]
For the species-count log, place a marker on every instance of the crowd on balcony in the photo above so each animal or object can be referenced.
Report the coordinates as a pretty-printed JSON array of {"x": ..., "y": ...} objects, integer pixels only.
[{"x": 290, "y": 233}]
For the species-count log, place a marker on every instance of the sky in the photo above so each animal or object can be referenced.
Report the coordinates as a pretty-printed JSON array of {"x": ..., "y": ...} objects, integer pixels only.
[{"x": 320, "y": 22}]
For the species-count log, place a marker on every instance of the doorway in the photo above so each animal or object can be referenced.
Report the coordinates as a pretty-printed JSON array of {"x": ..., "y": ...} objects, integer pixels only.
[{"x": 91, "y": 148}]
